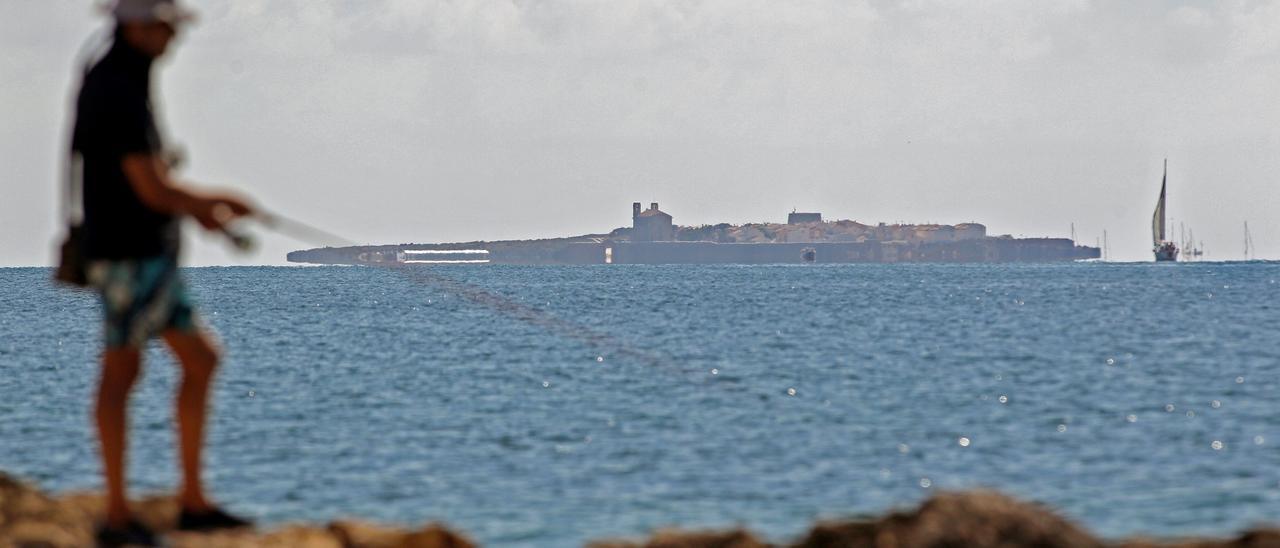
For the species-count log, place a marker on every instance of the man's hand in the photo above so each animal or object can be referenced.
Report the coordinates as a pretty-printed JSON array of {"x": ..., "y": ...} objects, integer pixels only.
[
  {"x": 214, "y": 212},
  {"x": 149, "y": 178}
]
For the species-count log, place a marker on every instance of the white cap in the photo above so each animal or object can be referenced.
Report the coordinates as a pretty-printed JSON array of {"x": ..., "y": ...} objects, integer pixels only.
[{"x": 167, "y": 11}]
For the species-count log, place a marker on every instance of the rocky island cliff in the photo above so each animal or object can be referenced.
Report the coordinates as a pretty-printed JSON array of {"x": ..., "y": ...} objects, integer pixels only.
[{"x": 653, "y": 238}]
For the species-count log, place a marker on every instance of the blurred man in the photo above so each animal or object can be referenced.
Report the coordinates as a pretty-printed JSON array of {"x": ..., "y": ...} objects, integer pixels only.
[{"x": 132, "y": 210}]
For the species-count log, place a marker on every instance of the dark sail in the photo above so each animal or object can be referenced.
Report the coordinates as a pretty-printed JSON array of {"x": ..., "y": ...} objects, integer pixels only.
[{"x": 1157, "y": 220}]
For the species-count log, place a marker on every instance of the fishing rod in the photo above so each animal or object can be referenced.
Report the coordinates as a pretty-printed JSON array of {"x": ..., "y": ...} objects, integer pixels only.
[
  {"x": 280, "y": 224},
  {"x": 299, "y": 230}
]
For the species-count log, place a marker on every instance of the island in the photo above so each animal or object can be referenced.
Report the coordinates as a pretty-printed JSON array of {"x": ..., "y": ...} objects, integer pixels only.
[{"x": 653, "y": 238}]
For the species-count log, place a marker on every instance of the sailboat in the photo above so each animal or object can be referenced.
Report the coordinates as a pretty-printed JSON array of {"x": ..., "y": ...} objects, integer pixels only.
[
  {"x": 1164, "y": 249},
  {"x": 1250, "y": 252}
]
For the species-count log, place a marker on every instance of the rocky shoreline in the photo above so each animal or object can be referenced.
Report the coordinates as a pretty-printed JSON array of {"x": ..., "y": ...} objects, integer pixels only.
[{"x": 978, "y": 519}]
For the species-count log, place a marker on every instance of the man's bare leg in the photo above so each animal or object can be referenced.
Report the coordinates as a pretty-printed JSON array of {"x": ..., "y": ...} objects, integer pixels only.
[
  {"x": 120, "y": 368},
  {"x": 199, "y": 359}
]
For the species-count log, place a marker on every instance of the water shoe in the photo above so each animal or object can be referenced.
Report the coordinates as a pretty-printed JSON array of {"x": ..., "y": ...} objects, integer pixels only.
[
  {"x": 210, "y": 520},
  {"x": 134, "y": 534}
]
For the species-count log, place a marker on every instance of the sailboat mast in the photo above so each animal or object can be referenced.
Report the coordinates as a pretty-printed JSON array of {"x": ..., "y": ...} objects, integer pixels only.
[
  {"x": 1164, "y": 183},
  {"x": 1248, "y": 241},
  {"x": 1157, "y": 218},
  {"x": 1165, "y": 250}
]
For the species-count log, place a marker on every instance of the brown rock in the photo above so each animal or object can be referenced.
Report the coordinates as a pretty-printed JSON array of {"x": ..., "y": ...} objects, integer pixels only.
[
  {"x": 364, "y": 535},
  {"x": 30, "y": 519},
  {"x": 287, "y": 537},
  {"x": 976, "y": 520},
  {"x": 688, "y": 539},
  {"x": 1257, "y": 538}
]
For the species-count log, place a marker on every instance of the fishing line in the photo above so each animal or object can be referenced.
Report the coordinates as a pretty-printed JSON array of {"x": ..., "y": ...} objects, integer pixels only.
[{"x": 606, "y": 344}]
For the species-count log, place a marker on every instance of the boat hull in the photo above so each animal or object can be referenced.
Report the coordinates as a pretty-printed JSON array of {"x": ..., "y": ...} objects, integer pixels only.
[{"x": 1166, "y": 253}]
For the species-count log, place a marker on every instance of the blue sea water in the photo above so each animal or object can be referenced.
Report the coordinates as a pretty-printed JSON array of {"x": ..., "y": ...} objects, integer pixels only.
[{"x": 543, "y": 406}]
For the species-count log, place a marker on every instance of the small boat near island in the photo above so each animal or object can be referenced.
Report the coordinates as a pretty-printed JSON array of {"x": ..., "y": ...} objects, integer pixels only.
[{"x": 1164, "y": 249}]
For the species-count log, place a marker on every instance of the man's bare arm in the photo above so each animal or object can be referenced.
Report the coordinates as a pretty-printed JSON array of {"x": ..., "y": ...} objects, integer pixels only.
[{"x": 149, "y": 177}]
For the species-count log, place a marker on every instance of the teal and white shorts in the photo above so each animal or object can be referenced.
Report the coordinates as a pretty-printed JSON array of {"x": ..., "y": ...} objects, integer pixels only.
[{"x": 141, "y": 298}]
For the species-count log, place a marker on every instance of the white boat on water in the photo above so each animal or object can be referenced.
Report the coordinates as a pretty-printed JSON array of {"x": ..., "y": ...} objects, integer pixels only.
[{"x": 1164, "y": 249}]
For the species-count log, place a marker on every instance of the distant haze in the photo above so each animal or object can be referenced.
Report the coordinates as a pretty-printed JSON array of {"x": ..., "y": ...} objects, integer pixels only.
[{"x": 416, "y": 121}]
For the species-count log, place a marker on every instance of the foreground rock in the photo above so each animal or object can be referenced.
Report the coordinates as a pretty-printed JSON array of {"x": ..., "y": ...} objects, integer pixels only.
[
  {"x": 29, "y": 518},
  {"x": 978, "y": 519}
]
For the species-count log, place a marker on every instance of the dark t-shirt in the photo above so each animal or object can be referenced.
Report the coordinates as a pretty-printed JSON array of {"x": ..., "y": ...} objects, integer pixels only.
[{"x": 114, "y": 119}]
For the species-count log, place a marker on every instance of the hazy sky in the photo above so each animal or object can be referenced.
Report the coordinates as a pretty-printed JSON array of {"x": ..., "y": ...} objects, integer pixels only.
[{"x": 394, "y": 121}]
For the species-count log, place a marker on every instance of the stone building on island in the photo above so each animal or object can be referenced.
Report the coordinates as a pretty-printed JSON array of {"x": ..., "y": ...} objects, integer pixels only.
[
  {"x": 651, "y": 225},
  {"x": 795, "y": 218}
]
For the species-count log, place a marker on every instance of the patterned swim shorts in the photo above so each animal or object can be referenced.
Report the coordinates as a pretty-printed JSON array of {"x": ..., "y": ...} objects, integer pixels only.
[{"x": 140, "y": 299}]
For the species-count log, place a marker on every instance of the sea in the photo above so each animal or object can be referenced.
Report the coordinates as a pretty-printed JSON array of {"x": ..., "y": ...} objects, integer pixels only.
[{"x": 548, "y": 406}]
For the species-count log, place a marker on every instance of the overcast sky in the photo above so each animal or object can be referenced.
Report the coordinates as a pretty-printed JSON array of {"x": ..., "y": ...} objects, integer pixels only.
[{"x": 393, "y": 121}]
